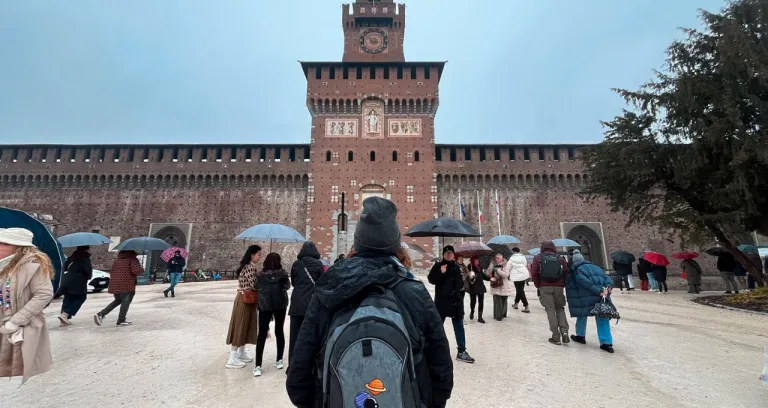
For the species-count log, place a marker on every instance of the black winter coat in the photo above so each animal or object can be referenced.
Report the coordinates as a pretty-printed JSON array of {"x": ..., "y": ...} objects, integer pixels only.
[
  {"x": 176, "y": 264},
  {"x": 273, "y": 290},
  {"x": 79, "y": 273},
  {"x": 343, "y": 284},
  {"x": 643, "y": 267},
  {"x": 447, "y": 289},
  {"x": 659, "y": 272},
  {"x": 303, "y": 287},
  {"x": 622, "y": 269},
  {"x": 477, "y": 287},
  {"x": 726, "y": 263}
]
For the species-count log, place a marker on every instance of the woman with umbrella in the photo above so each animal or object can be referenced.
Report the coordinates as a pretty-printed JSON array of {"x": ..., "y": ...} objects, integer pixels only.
[
  {"x": 622, "y": 264},
  {"x": 727, "y": 265},
  {"x": 691, "y": 269},
  {"x": 659, "y": 264}
]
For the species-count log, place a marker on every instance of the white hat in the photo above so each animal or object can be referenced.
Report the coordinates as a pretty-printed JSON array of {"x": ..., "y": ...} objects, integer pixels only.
[{"x": 16, "y": 236}]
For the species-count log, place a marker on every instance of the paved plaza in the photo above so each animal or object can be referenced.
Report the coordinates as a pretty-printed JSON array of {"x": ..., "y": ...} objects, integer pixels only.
[{"x": 670, "y": 352}]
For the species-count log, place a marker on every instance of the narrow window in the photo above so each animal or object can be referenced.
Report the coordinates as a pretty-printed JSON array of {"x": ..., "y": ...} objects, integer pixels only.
[
  {"x": 359, "y": 72},
  {"x": 218, "y": 154},
  {"x": 426, "y": 72},
  {"x": 526, "y": 154},
  {"x": 306, "y": 154},
  {"x": 292, "y": 154},
  {"x": 482, "y": 154},
  {"x": 467, "y": 154},
  {"x": 277, "y": 154},
  {"x": 413, "y": 72},
  {"x": 248, "y": 154},
  {"x": 328, "y": 156},
  {"x": 556, "y": 153},
  {"x": 386, "y": 72},
  {"x": 350, "y": 156},
  {"x": 571, "y": 153},
  {"x": 541, "y": 154},
  {"x": 394, "y": 156},
  {"x": 438, "y": 154},
  {"x": 332, "y": 73},
  {"x": 373, "y": 72},
  {"x": 399, "y": 72},
  {"x": 511, "y": 154},
  {"x": 373, "y": 155},
  {"x": 416, "y": 155},
  {"x": 160, "y": 154},
  {"x": 346, "y": 72},
  {"x": 319, "y": 73},
  {"x": 263, "y": 154},
  {"x": 453, "y": 154},
  {"x": 175, "y": 154},
  {"x": 496, "y": 154}
]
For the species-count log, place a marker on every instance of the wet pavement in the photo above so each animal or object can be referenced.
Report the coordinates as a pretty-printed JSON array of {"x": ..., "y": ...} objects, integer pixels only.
[{"x": 670, "y": 352}]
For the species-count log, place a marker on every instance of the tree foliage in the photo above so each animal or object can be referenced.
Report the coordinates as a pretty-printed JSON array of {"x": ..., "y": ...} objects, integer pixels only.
[{"x": 690, "y": 152}]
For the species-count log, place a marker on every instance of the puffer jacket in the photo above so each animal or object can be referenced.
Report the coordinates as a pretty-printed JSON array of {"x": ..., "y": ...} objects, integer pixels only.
[
  {"x": 518, "y": 268},
  {"x": 583, "y": 287},
  {"x": 622, "y": 269},
  {"x": 273, "y": 290},
  {"x": 308, "y": 262},
  {"x": 78, "y": 273},
  {"x": 500, "y": 272}
]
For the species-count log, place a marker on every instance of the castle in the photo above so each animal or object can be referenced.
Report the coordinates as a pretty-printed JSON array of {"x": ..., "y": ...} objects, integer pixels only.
[{"x": 372, "y": 134}]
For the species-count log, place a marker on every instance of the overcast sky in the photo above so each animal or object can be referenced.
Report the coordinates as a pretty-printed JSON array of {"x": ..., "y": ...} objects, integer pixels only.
[{"x": 226, "y": 71}]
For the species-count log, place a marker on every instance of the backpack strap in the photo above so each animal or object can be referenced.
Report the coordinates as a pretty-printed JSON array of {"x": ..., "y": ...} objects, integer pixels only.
[{"x": 309, "y": 275}]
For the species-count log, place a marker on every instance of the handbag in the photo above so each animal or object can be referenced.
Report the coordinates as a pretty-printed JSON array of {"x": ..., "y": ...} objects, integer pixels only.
[
  {"x": 250, "y": 296},
  {"x": 498, "y": 282},
  {"x": 605, "y": 309}
]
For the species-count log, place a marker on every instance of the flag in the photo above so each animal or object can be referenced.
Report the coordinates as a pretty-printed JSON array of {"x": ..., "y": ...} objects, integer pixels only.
[
  {"x": 497, "y": 204},
  {"x": 462, "y": 211},
  {"x": 480, "y": 210}
]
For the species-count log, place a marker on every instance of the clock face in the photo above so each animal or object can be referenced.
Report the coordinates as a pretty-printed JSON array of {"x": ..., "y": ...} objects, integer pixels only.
[{"x": 373, "y": 41}]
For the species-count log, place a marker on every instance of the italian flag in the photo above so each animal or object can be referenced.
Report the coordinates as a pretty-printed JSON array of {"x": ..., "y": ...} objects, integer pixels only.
[{"x": 480, "y": 210}]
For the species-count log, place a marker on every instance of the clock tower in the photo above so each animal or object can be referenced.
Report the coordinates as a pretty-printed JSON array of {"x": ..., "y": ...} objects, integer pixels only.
[
  {"x": 372, "y": 129},
  {"x": 373, "y": 31}
]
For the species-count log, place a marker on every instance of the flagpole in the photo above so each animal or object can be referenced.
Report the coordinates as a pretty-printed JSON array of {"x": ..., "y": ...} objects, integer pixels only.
[
  {"x": 498, "y": 213},
  {"x": 461, "y": 212},
  {"x": 479, "y": 214}
]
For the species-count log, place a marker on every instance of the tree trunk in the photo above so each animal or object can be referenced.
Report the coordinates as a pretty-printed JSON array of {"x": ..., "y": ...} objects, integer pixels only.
[{"x": 726, "y": 239}]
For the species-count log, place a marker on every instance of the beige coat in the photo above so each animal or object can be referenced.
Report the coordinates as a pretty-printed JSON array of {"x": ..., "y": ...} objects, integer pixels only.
[
  {"x": 31, "y": 291},
  {"x": 508, "y": 287}
]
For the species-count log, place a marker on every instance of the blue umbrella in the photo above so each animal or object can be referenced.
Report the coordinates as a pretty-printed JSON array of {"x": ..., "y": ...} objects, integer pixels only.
[
  {"x": 748, "y": 248},
  {"x": 43, "y": 238},
  {"x": 83, "y": 239},
  {"x": 564, "y": 242},
  {"x": 271, "y": 233},
  {"x": 143, "y": 244},
  {"x": 534, "y": 251},
  {"x": 504, "y": 239}
]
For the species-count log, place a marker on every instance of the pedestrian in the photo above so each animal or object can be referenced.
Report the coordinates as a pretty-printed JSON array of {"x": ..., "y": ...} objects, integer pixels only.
[
  {"x": 643, "y": 266},
  {"x": 518, "y": 273},
  {"x": 122, "y": 285},
  {"x": 741, "y": 277},
  {"x": 501, "y": 285},
  {"x": 74, "y": 283},
  {"x": 757, "y": 276},
  {"x": 642, "y": 273},
  {"x": 623, "y": 271},
  {"x": 371, "y": 264},
  {"x": 660, "y": 274},
  {"x": 25, "y": 290},
  {"x": 175, "y": 269},
  {"x": 446, "y": 276},
  {"x": 586, "y": 285},
  {"x": 693, "y": 273},
  {"x": 304, "y": 273},
  {"x": 477, "y": 289},
  {"x": 242, "y": 323},
  {"x": 548, "y": 273},
  {"x": 727, "y": 264},
  {"x": 273, "y": 283}
]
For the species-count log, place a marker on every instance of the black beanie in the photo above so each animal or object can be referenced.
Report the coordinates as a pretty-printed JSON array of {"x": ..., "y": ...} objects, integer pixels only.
[
  {"x": 448, "y": 248},
  {"x": 377, "y": 229}
]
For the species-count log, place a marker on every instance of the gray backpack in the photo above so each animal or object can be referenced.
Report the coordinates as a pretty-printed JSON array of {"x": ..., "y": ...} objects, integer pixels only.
[
  {"x": 550, "y": 270},
  {"x": 369, "y": 354}
]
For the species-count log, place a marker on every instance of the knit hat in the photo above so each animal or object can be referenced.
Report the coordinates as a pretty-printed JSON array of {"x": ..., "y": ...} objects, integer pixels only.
[
  {"x": 448, "y": 248},
  {"x": 16, "y": 236},
  {"x": 577, "y": 256},
  {"x": 377, "y": 229}
]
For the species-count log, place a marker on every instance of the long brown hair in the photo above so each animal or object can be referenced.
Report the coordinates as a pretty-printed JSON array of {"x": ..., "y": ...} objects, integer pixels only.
[
  {"x": 24, "y": 255},
  {"x": 403, "y": 257}
]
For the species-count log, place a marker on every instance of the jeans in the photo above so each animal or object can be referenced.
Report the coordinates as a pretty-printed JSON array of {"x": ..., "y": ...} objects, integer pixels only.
[
  {"x": 261, "y": 339},
  {"x": 296, "y": 322},
  {"x": 652, "y": 281},
  {"x": 175, "y": 278},
  {"x": 603, "y": 329},
  {"x": 520, "y": 293},
  {"x": 553, "y": 300},
  {"x": 72, "y": 303},
  {"x": 476, "y": 299},
  {"x": 458, "y": 330},
  {"x": 124, "y": 301}
]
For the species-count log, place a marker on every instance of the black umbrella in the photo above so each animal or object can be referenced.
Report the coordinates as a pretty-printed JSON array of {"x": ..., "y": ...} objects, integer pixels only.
[
  {"x": 623, "y": 257},
  {"x": 443, "y": 227},
  {"x": 717, "y": 251}
]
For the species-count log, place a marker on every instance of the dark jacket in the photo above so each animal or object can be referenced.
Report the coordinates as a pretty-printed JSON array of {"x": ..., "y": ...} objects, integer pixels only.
[
  {"x": 303, "y": 286},
  {"x": 477, "y": 286},
  {"x": 536, "y": 268},
  {"x": 176, "y": 264},
  {"x": 447, "y": 289},
  {"x": 692, "y": 271},
  {"x": 622, "y": 269},
  {"x": 583, "y": 287},
  {"x": 273, "y": 290},
  {"x": 340, "y": 285},
  {"x": 659, "y": 272},
  {"x": 726, "y": 263},
  {"x": 125, "y": 270},
  {"x": 79, "y": 273},
  {"x": 643, "y": 267}
]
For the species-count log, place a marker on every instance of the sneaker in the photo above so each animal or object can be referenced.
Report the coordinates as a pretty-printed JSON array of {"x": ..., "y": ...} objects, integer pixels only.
[
  {"x": 607, "y": 347},
  {"x": 279, "y": 364},
  {"x": 480, "y": 320},
  {"x": 233, "y": 362},
  {"x": 579, "y": 339},
  {"x": 64, "y": 319},
  {"x": 555, "y": 341},
  {"x": 526, "y": 310},
  {"x": 566, "y": 339},
  {"x": 243, "y": 356},
  {"x": 514, "y": 306},
  {"x": 124, "y": 324},
  {"x": 98, "y": 319},
  {"x": 465, "y": 357},
  {"x": 257, "y": 371}
]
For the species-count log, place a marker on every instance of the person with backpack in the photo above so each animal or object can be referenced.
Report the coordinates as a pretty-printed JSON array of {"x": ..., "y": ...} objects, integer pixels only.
[
  {"x": 692, "y": 275},
  {"x": 273, "y": 284},
  {"x": 446, "y": 276},
  {"x": 371, "y": 306},
  {"x": 548, "y": 273},
  {"x": 304, "y": 273},
  {"x": 586, "y": 285},
  {"x": 501, "y": 286}
]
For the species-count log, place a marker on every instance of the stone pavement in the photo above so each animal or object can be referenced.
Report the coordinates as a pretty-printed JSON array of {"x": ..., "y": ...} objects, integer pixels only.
[{"x": 670, "y": 352}]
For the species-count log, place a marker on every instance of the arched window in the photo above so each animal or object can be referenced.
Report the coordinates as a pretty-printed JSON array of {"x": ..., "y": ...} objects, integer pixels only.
[
  {"x": 416, "y": 155},
  {"x": 373, "y": 155},
  {"x": 394, "y": 156},
  {"x": 328, "y": 156},
  {"x": 350, "y": 156}
]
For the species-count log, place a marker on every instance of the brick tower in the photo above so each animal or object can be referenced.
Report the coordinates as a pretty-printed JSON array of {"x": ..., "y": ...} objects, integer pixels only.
[{"x": 372, "y": 128}]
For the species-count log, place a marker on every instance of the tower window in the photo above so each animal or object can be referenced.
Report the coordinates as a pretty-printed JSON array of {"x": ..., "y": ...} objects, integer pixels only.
[
  {"x": 350, "y": 156},
  {"x": 319, "y": 73},
  {"x": 416, "y": 155},
  {"x": 359, "y": 73},
  {"x": 526, "y": 154},
  {"x": 292, "y": 154},
  {"x": 467, "y": 154},
  {"x": 394, "y": 156},
  {"x": 263, "y": 155},
  {"x": 373, "y": 155},
  {"x": 346, "y": 72},
  {"x": 386, "y": 72},
  {"x": 541, "y": 154},
  {"x": 399, "y": 72},
  {"x": 453, "y": 154},
  {"x": 328, "y": 156},
  {"x": 332, "y": 73},
  {"x": 413, "y": 72},
  {"x": 511, "y": 154},
  {"x": 373, "y": 72},
  {"x": 482, "y": 154},
  {"x": 426, "y": 72},
  {"x": 556, "y": 154},
  {"x": 571, "y": 153},
  {"x": 438, "y": 154}
]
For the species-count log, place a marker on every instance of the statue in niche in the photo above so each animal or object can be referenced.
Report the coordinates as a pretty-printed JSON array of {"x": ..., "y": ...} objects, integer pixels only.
[{"x": 373, "y": 121}]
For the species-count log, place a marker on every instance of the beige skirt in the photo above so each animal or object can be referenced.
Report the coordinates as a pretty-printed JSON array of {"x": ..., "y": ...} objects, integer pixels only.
[{"x": 243, "y": 324}]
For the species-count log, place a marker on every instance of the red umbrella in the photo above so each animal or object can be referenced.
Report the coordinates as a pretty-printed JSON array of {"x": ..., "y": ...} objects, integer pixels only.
[
  {"x": 685, "y": 255},
  {"x": 171, "y": 252},
  {"x": 656, "y": 258},
  {"x": 473, "y": 248}
]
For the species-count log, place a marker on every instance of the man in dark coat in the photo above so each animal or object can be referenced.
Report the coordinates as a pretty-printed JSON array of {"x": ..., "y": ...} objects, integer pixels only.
[
  {"x": 447, "y": 278},
  {"x": 552, "y": 292},
  {"x": 377, "y": 240},
  {"x": 74, "y": 285},
  {"x": 304, "y": 273},
  {"x": 175, "y": 269},
  {"x": 623, "y": 271}
]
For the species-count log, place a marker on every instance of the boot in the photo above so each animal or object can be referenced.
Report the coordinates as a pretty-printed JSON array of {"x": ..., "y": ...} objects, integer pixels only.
[
  {"x": 526, "y": 310},
  {"x": 173, "y": 293},
  {"x": 233, "y": 362},
  {"x": 514, "y": 306},
  {"x": 472, "y": 314},
  {"x": 165, "y": 292},
  {"x": 691, "y": 289}
]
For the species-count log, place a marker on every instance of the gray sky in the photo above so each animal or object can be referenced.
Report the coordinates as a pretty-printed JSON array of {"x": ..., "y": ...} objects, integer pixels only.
[{"x": 201, "y": 71}]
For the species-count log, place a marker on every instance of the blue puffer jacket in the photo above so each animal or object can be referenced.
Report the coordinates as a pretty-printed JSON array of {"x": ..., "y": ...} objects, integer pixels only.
[{"x": 583, "y": 287}]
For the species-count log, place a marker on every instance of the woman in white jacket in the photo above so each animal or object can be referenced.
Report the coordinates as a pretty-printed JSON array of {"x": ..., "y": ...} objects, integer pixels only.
[
  {"x": 501, "y": 286},
  {"x": 518, "y": 273}
]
